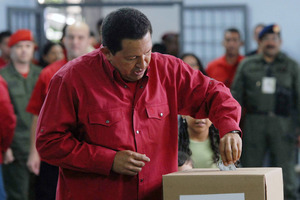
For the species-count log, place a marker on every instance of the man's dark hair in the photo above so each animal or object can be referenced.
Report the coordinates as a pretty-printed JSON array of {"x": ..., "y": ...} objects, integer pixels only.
[
  {"x": 125, "y": 23},
  {"x": 232, "y": 30},
  {"x": 4, "y": 34}
]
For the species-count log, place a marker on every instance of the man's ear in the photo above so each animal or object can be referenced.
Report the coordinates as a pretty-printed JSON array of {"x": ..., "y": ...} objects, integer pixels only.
[{"x": 106, "y": 52}]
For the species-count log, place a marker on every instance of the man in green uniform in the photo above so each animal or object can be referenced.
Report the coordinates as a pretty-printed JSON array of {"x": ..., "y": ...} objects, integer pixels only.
[
  {"x": 21, "y": 76},
  {"x": 268, "y": 88}
]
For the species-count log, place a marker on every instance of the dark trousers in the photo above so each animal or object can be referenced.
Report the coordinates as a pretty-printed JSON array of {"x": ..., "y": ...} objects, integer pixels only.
[
  {"x": 46, "y": 182},
  {"x": 17, "y": 178},
  {"x": 273, "y": 134}
]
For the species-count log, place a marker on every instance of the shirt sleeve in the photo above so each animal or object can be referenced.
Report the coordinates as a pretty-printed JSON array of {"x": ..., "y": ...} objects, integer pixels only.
[
  {"x": 7, "y": 118},
  {"x": 56, "y": 130},
  {"x": 200, "y": 97},
  {"x": 37, "y": 97}
]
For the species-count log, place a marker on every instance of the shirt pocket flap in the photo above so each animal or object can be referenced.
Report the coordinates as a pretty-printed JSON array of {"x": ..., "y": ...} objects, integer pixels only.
[
  {"x": 107, "y": 118},
  {"x": 158, "y": 112}
]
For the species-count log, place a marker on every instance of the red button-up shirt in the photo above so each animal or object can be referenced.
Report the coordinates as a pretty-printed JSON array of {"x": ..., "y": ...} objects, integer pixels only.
[
  {"x": 41, "y": 87},
  {"x": 220, "y": 70},
  {"x": 7, "y": 119},
  {"x": 90, "y": 113}
]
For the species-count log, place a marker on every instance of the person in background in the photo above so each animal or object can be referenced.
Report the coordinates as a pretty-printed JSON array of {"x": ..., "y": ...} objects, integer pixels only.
[
  {"x": 198, "y": 137},
  {"x": 171, "y": 42},
  {"x": 200, "y": 140},
  {"x": 7, "y": 128},
  {"x": 51, "y": 52},
  {"x": 110, "y": 117},
  {"x": 267, "y": 86},
  {"x": 258, "y": 28},
  {"x": 223, "y": 69},
  {"x": 4, "y": 48},
  {"x": 93, "y": 41},
  {"x": 99, "y": 29},
  {"x": 160, "y": 48},
  {"x": 184, "y": 161},
  {"x": 21, "y": 76},
  {"x": 193, "y": 61},
  {"x": 76, "y": 42}
]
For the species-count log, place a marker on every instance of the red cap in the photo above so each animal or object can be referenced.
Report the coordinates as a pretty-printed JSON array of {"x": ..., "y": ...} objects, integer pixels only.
[{"x": 20, "y": 35}]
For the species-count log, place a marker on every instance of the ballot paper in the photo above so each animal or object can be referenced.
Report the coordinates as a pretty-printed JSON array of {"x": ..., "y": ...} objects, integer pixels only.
[{"x": 222, "y": 167}]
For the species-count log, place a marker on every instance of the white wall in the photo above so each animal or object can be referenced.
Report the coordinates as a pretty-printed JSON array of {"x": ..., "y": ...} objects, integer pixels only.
[
  {"x": 284, "y": 13},
  {"x": 4, "y": 4}
]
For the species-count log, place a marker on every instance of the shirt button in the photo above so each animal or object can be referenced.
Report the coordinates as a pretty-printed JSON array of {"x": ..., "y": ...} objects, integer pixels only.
[
  {"x": 107, "y": 121},
  {"x": 125, "y": 86},
  {"x": 137, "y": 132},
  {"x": 142, "y": 180},
  {"x": 161, "y": 114},
  {"x": 42, "y": 130},
  {"x": 142, "y": 87}
]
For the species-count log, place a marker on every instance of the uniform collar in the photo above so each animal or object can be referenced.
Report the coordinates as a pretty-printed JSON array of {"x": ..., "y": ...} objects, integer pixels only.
[
  {"x": 280, "y": 57},
  {"x": 12, "y": 68}
]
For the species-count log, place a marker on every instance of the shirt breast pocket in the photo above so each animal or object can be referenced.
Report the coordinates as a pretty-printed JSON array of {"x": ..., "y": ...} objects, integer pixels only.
[
  {"x": 159, "y": 121},
  {"x": 106, "y": 128}
]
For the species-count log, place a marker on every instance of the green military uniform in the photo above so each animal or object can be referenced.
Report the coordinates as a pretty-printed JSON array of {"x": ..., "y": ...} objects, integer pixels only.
[
  {"x": 16, "y": 175},
  {"x": 269, "y": 93}
]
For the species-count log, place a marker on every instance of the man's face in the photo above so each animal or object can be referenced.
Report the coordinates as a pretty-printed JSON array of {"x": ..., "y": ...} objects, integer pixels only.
[
  {"x": 232, "y": 43},
  {"x": 270, "y": 44},
  {"x": 4, "y": 48},
  {"x": 22, "y": 52},
  {"x": 76, "y": 41},
  {"x": 132, "y": 61}
]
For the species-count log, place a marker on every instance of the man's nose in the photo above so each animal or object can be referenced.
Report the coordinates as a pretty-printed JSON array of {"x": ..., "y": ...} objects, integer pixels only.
[{"x": 142, "y": 62}]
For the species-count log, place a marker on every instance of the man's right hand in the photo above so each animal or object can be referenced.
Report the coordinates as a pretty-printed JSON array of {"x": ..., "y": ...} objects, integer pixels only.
[
  {"x": 129, "y": 162},
  {"x": 34, "y": 162}
]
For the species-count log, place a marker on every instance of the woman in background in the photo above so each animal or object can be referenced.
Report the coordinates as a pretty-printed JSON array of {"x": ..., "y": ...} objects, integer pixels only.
[
  {"x": 51, "y": 52},
  {"x": 198, "y": 138}
]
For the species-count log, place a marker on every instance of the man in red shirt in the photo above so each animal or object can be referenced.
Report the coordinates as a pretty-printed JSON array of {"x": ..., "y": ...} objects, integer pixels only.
[
  {"x": 4, "y": 48},
  {"x": 76, "y": 43},
  {"x": 7, "y": 127},
  {"x": 109, "y": 120},
  {"x": 223, "y": 69}
]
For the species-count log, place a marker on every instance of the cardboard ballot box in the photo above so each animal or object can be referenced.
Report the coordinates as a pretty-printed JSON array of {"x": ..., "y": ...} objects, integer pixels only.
[{"x": 213, "y": 184}]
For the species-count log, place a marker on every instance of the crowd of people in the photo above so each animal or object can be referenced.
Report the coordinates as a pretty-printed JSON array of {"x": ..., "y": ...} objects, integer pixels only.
[{"x": 87, "y": 118}]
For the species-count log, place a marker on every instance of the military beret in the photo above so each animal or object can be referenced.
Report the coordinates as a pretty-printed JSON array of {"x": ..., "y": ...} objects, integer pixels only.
[
  {"x": 273, "y": 28},
  {"x": 20, "y": 35}
]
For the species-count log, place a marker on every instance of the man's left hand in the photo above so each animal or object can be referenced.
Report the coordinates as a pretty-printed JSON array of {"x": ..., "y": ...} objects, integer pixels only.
[{"x": 230, "y": 148}]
